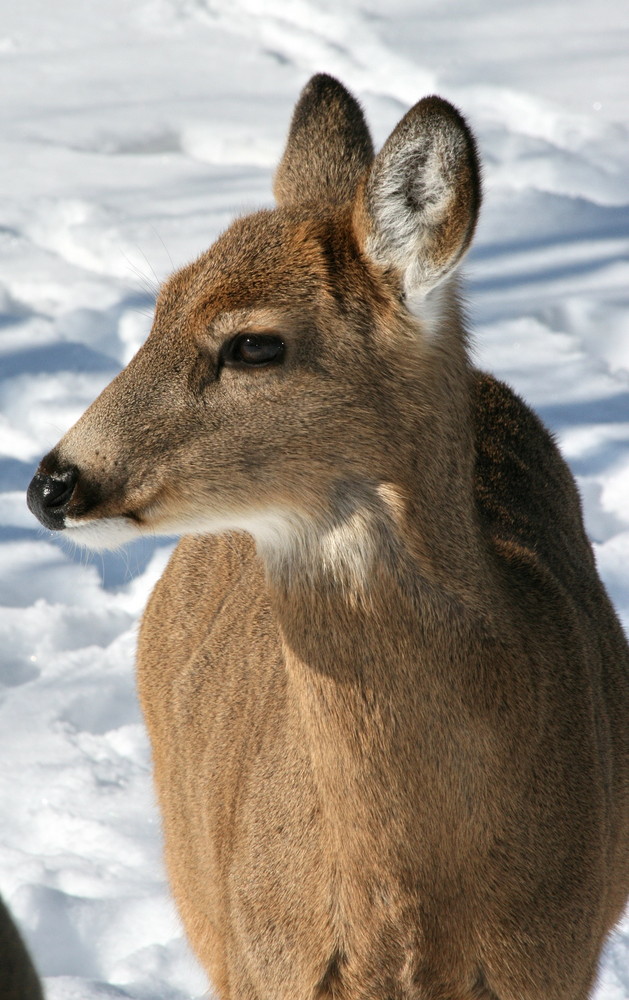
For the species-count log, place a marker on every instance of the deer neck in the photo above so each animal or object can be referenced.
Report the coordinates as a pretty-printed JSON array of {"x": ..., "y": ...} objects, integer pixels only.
[
  {"x": 374, "y": 648},
  {"x": 370, "y": 590},
  {"x": 409, "y": 526},
  {"x": 376, "y": 630}
]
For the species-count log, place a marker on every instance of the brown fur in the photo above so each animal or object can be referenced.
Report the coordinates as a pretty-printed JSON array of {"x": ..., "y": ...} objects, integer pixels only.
[
  {"x": 18, "y": 979},
  {"x": 390, "y": 736}
]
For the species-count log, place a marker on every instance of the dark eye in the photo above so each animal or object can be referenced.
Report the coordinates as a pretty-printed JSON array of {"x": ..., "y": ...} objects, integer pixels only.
[{"x": 253, "y": 350}]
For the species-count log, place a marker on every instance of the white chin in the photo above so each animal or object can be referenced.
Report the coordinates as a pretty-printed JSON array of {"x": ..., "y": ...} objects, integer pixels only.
[
  {"x": 102, "y": 533},
  {"x": 271, "y": 529}
]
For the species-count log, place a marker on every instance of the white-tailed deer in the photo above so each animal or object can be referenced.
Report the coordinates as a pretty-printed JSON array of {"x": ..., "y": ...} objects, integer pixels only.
[{"x": 389, "y": 709}]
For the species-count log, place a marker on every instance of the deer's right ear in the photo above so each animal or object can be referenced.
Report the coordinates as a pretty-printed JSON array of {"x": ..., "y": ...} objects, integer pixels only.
[
  {"x": 329, "y": 146},
  {"x": 418, "y": 210}
]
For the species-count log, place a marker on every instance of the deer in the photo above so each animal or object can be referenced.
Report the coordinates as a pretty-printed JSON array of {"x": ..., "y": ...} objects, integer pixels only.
[
  {"x": 386, "y": 692},
  {"x": 18, "y": 978}
]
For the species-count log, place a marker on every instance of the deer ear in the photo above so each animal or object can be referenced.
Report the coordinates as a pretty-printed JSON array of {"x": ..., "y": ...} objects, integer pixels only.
[
  {"x": 418, "y": 210},
  {"x": 328, "y": 149}
]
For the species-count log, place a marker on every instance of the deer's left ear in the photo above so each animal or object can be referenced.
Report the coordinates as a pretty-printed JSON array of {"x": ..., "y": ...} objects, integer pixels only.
[
  {"x": 329, "y": 146},
  {"x": 418, "y": 210}
]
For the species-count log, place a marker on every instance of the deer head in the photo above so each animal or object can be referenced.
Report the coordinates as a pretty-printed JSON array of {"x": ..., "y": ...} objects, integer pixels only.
[{"x": 305, "y": 360}]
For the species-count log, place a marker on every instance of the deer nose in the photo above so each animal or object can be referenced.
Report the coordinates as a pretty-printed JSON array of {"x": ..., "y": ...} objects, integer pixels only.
[{"x": 48, "y": 496}]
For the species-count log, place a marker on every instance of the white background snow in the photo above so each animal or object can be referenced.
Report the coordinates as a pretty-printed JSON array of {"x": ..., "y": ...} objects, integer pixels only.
[{"x": 130, "y": 134}]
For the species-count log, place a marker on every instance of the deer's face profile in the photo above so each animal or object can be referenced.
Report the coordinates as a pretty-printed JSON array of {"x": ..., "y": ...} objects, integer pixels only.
[{"x": 285, "y": 364}]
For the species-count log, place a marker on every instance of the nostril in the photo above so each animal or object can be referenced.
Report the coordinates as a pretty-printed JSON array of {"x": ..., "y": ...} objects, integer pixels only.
[
  {"x": 48, "y": 496},
  {"x": 57, "y": 490}
]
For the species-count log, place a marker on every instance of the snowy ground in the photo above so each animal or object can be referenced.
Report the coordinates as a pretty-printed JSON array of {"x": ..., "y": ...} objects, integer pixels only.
[{"x": 130, "y": 134}]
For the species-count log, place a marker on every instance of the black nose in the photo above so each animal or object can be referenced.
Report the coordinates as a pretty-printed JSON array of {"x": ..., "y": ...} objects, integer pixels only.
[{"x": 48, "y": 496}]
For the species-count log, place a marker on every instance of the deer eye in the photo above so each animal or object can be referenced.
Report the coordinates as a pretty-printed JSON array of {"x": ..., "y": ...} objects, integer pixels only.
[{"x": 253, "y": 350}]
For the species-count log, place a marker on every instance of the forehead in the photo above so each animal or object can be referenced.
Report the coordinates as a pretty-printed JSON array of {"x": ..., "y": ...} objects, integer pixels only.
[{"x": 277, "y": 259}]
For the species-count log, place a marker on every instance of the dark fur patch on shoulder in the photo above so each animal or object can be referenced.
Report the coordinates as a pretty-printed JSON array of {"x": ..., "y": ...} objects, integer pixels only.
[{"x": 525, "y": 493}]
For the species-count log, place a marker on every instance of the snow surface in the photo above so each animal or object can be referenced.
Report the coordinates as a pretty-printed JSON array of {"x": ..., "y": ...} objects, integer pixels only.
[{"x": 131, "y": 133}]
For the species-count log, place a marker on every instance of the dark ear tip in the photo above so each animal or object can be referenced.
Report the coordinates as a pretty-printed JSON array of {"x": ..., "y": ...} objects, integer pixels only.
[
  {"x": 321, "y": 82},
  {"x": 439, "y": 109},
  {"x": 323, "y": 89},
  {"x": 439, "y": 105}
]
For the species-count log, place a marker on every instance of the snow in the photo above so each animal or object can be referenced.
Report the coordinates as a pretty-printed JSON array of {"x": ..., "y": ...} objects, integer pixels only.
[{"x": 131, "y": 134}]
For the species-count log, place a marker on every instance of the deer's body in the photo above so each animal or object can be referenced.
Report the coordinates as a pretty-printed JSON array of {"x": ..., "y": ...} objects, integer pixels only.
[{"x": 390, "y": 724}]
